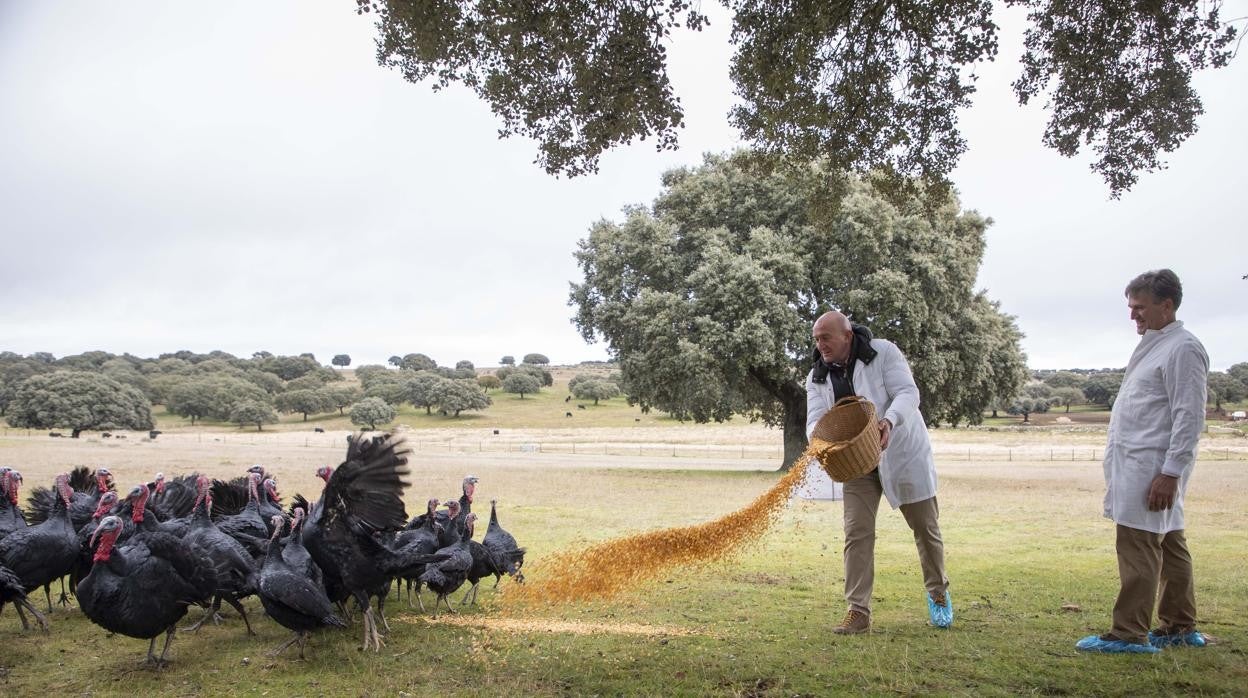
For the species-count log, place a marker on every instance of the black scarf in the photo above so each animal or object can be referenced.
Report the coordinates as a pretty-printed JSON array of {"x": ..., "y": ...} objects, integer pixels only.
[{"x": 843, "y": 376}]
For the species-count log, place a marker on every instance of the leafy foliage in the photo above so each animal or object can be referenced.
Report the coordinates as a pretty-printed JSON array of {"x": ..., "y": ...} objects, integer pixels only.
[
  {"x": 1065, "y": 379},
  {"x": 489, "y": 381},
  {"x": 342, "y": 360},
  {"x": 1065, "y": 397},
  {"x": 418, "y": 362},
  {"x": 536, "y": 359},
  {"x": 422, "y": 390},
  {"x": 211, "y": 396},
  {"x": 252, "y": 412},
  {"x": 342, "y": 396},
  {"x": 455, "y": 396},
  {"x": 79, "y": 401},
  {"x": 521, "y": 383},
  {"x": 1225, "y": 387},
  {"x": 305, "y": 401},
  {"x": 869, "y": 85},
  {"x": 372, "y": 411},
  {"x": 595, "y": 390},
  {"x": 1102, "y": 388},
  {"x": 577, "y": 76},
  {"x": 1123, "y": 74}
]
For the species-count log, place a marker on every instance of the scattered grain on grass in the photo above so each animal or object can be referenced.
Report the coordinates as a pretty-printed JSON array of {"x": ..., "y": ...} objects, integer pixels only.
[{"x": 606, "y": 569}]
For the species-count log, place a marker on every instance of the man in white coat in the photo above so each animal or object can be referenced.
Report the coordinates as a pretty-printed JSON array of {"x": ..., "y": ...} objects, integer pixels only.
[
  {"x": 1153, "y": 432},
  {"x": 851, "y": 362}
]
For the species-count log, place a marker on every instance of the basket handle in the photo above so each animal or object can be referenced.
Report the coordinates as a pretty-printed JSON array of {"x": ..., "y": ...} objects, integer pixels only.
[{"x": 849, "y": 400}]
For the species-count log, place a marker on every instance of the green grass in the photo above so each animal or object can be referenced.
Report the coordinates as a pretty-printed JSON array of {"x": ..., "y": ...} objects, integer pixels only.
[{"x": 1022, "y": 541}]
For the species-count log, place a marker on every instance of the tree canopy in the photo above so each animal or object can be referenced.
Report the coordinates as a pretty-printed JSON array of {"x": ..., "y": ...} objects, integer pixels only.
[
  {"x": 372, "y": 411},
  {"x": 455, "y": 396},
  {"x": 342, "y": 360},
  {"x": 252, "y": 412},
  {"x": 869, "y": 85},
  {"x": 78, "y": 401},
  {"x": 595, "y": 390},
  {"x": 305, "y": 401},
  {"x": 707, "y": 299},
  {"x": 521, "y": 383}
]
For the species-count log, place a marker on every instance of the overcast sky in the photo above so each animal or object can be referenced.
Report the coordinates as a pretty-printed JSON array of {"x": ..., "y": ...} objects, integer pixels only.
[{"x": 243, "y": 176}]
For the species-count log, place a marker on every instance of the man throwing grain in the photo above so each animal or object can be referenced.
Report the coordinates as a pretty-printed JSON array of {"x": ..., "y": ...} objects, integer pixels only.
[
  {"x": 1153, "y": 431},
  {"x": 851, "y": 362}
]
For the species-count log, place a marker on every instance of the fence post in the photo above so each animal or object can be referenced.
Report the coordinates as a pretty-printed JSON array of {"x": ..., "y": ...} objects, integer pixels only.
[{"x": 1011, "y": 455}]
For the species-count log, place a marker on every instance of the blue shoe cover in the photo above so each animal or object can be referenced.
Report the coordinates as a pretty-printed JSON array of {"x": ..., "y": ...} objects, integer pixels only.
[
  {"x": 1190, "y": 638},
  {"x": 1094, "y": 643},
  {"x": 941, "y": 616}
]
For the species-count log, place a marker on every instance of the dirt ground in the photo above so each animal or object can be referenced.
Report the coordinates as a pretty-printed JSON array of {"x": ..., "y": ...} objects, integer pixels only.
[{"x": 440, "y": 458}]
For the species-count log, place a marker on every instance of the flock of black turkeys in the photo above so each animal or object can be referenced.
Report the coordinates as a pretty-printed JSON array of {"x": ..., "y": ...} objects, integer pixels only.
[{"x": 137, "y": 563}]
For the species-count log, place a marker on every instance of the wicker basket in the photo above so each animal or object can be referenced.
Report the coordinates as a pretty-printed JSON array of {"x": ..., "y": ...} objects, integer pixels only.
[{"x": 846, "y": 440}]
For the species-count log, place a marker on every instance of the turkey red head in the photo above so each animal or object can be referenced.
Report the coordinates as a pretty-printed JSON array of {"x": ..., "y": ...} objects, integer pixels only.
[
  {"x": 106, "y": 533},
  {"x": 432, "y": 506},
  {"x": 470, "y": 486},
  {"x": 270, "y": 488},
  {"x": 108, "y": 500},
  {"x": 325, "y": 472},
  {"x": 160, "y": 484},
  {"x": 257, "y": 469},
  {"x": 253, "y": 486},
  {"x": 297, "y": 519},
  {"x": 469, "y": 522},
  {"x": 202, "y": 486},
  {"x": 13, "y": 482},
  {"x": 452, "y": 508},
  {"x": 103, "y": 479},
  {"x": 63, "y": 488},
  {"x": 138, "y": 502}
]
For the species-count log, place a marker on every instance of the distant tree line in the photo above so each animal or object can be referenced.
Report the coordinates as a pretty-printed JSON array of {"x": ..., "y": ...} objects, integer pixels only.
[
  {"x": 1064, "y": 388},
  {"x": 421, "y": 382},
  {"x": 101, "y": 390}
]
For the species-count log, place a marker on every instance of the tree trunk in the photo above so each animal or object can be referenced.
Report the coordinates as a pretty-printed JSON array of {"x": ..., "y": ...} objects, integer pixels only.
[
  {"x": 429, "y": 408},
  {"x": 794, "y": 431},
  {"x": 75, "y": 434},
  {"x": 792, "y": 395},
  {"x": 305, "y": 416},
  {"x": 1068, "y": 409}
]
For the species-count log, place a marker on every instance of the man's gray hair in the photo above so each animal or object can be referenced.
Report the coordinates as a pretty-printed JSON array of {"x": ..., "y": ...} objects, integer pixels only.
[{"x": 1161, "y": 283}]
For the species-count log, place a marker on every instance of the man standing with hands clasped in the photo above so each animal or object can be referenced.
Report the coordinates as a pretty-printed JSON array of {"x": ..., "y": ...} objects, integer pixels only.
[
  {"x": 1153, "y": 431},
  {"x": 850, "y": 362}
]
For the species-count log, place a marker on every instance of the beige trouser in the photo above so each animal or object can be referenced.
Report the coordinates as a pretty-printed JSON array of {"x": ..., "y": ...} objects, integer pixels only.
[
  {"x": 1146, "y": 561},
  {"x": 862, "y": 501}
]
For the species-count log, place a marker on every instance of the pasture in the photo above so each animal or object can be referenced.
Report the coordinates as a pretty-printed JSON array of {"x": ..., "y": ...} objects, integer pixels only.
[{"x": 1030, "y": 559}]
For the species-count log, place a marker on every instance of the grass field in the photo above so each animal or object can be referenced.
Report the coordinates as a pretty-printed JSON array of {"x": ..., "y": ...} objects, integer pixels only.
[{"x": 1024, "y": 539}]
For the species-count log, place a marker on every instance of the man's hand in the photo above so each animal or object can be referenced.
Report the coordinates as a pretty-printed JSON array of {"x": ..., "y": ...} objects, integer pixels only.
[
  {"x": 1161, "y": 492},
  {"x": 886, "y": 429}
]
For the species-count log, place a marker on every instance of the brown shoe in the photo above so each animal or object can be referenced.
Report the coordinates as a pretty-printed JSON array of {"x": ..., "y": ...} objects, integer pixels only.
[{"x": 855, "y": 622}]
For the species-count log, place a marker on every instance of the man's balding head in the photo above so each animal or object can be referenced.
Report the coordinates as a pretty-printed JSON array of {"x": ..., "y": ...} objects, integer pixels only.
[{"x": 834, "y": 337}]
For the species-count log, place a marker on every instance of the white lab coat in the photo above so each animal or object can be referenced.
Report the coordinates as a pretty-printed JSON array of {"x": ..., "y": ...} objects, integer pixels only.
[
  {"x": 907, "y": 468},
  {"x": 1155, "y": 426}
]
